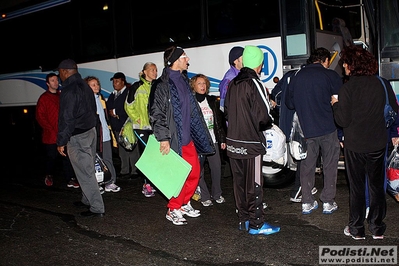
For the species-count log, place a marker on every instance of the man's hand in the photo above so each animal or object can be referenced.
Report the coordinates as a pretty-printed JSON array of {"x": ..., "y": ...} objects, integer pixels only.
[
  {"x": 333, "y": 100},
  {"x": 61, "y": 150},
  {"x": 164, "y": 147}
]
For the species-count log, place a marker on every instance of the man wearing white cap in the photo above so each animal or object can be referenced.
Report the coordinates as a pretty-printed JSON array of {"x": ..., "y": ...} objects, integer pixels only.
[{"x": 247, "y": 107}]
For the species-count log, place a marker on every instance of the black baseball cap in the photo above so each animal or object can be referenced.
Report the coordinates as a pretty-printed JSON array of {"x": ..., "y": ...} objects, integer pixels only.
[
  {"x": 67, "y": 64},
  {"x": 118, "y": 75}
]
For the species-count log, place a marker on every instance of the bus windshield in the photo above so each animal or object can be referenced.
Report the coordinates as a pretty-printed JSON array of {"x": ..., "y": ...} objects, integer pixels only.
[{"x": 390, "y": 28}]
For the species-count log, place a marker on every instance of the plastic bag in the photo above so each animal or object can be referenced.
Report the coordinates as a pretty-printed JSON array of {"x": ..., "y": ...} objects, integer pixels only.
[
  {"x": 393, "y": 188},
  {"x": 127, "y": 138},
  {"x": 275, "y": 145},
  {"x": 297, "y": 141},
  {"x": 393, "y": 165},
  {"x": 103, "y": 174}
]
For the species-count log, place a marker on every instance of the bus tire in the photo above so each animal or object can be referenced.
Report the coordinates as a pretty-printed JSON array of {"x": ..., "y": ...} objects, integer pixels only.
[{"x": 281, "y": 179}]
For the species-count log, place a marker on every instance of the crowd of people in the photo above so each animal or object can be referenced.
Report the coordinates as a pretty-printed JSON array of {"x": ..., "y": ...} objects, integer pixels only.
[{"x": 183, "y": 117}]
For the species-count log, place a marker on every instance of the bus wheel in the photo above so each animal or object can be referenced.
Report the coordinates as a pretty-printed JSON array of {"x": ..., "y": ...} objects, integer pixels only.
[{"x": 282, "y": 178}]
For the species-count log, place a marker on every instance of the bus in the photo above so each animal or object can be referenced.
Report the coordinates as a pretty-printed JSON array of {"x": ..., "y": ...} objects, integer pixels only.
[{"x": 108, "y": 36}]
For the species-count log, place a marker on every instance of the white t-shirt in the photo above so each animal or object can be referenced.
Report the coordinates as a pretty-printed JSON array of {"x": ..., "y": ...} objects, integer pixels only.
[{"x": 208, "y": 116}]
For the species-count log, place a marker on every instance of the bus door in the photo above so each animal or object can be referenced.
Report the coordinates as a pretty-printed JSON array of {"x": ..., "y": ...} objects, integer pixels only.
[{"x": 307, "y": 25}]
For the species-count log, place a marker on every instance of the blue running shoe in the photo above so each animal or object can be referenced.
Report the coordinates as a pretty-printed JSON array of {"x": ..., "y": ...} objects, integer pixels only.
[
  {"x": 243, "y": 226},
  {"x": 266, "y": 229}
]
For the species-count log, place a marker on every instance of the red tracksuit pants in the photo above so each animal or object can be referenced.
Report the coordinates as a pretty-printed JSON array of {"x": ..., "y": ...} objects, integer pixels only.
[{"x": 189, "y": 153}]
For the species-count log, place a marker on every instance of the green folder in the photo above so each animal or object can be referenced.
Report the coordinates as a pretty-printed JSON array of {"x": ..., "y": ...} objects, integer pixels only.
[{"x": 167, "y": 172}]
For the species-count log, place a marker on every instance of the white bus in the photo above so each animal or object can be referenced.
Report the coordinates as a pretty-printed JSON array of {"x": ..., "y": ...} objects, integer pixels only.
[{"x": 110, "y": 36}]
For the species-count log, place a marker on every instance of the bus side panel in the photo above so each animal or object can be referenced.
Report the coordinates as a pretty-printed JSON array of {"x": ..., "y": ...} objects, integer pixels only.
[
  {"x": 21, "y": 89},
  {"x": 211, "y": 61}
]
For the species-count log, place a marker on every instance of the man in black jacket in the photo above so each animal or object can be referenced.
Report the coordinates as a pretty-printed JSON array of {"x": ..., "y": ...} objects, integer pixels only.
[
  {"x": 178, "y": 124},
  {"x": 247, "y": 107},
  {"x": 76, "y": 131}
]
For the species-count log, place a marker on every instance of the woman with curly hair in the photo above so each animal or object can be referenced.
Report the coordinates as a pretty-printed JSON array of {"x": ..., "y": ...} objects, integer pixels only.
[
  {"x": 360, "y": 112},
  {"x": 210, "y": 108}
]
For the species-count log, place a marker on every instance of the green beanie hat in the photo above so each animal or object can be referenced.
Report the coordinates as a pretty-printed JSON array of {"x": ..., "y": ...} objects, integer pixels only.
[{"x": 252, "y": 56}]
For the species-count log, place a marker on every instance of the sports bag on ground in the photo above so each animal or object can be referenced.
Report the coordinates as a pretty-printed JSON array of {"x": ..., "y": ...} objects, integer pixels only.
[{"x": 103, "y": 174}]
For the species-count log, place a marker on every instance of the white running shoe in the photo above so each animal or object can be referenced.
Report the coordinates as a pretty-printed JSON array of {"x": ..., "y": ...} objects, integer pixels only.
[
  {"x": 307, "y": 208},
  {"x": 220, "y": 200},
  {"x": 207, "y": 203},
  {"x": 176, "y": 217},
  {"x": 329, "y": 208},
  {"x": 112, "y": 188},
  {"x": 189, "y": 210}
]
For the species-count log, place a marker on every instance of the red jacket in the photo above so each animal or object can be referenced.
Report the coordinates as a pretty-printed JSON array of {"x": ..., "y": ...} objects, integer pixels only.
[{"x": 47, "y": 115}]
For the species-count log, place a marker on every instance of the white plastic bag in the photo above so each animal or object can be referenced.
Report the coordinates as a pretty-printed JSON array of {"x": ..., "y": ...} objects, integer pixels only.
[
  {"x": 297, "y": 142},
  {"x": 393, "y": 173},
  {"x": 275, "y": 145}
]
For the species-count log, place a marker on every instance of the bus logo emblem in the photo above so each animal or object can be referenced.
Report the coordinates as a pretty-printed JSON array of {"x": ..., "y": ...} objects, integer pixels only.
[{"x": 269, "y": 65}]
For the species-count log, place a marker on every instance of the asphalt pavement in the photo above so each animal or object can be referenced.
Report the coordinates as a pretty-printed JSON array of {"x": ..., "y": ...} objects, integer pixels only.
[{"x": 39, "y": 225}]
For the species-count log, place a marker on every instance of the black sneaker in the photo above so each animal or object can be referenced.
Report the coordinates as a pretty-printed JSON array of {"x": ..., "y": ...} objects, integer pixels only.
[{"x": 348, "y": 233}]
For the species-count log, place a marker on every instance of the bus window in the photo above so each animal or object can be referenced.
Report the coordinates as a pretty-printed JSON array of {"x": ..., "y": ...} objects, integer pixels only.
[
  {"x": 237, "y": 18},
  {"x": 296, "y": 40},
  {"x": 390, "y": 24},
  {"x": 395, "y": 87},
  {"x": 96, "y": 27},
  {"x": 350, "y": 13},
  {"x": 177, "y": 22},
  {"x": 34, "y": 41}
]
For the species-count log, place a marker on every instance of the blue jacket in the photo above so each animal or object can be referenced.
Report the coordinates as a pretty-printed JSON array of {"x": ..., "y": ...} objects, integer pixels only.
[
  {"x": 228, "y": 76},
  {"x": 165, "y": 117},
  {"x": 309, "y": 93},
  {"x": 279, "y": 93}
]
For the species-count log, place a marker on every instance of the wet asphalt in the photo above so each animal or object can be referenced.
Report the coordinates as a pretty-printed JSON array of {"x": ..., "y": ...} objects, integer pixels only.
[{"x": 39, "y": 225}]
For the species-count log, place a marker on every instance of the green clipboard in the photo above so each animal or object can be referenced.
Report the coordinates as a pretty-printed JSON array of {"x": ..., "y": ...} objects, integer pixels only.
[{"x": 167, "y": 172}]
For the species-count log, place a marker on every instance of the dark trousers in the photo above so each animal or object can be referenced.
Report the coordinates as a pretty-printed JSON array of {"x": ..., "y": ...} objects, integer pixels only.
[
  {"x": 248, "y": 190},
  {"x": 329, "y": 147},
  {"x": 82, "y": 151},
  {"x": 215, "y": 167},
  {"x": 142, "y": 140},
  {"x": 52, "y": 155},
  {"x": 360, "y": 166},
  {"x": 128, "y": 159},
  {"x": 297, "y": 183}
]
